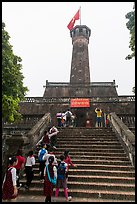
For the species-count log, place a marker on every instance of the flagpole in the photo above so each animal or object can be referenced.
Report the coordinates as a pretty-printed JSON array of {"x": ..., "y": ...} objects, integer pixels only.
[{"x": 80, "y": 14}]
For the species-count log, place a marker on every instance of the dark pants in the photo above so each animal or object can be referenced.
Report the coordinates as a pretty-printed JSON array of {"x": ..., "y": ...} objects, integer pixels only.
[
  {"x": 48, "y": 199},
  {"x": 41, "y": 169},
  {"x": 18, "y": 177},
  {"x": 59, "y": 122},
  {"x": 99, "y": 121},
  {"x": 29, "y": 175},
  {"x": 68, "y": 121},
  {"x": 53, "y": 140}
]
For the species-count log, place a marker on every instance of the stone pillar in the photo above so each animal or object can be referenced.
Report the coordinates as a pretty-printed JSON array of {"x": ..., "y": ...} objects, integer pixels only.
[{"x": 80, "y": 73}]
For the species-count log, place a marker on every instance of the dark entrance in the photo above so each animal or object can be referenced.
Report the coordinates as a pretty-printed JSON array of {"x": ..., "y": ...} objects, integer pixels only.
[{"x": 81, "y": 116}]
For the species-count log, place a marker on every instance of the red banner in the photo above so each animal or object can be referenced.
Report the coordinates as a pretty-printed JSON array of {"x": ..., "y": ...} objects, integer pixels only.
[{"x": 79, "y": 102}]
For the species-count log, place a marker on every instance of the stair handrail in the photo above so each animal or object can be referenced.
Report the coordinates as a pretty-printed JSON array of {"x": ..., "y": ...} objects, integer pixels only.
[
  {"x": 35, "y": 134},
  {"x": 126, "y": 137}
]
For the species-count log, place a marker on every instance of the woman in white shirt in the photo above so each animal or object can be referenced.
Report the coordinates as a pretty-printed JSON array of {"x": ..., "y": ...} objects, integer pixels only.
[{"x": 30, "y": 162}]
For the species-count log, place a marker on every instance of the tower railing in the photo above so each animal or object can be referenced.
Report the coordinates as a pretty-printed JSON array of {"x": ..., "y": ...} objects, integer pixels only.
[{"x": 126, "y": 98}]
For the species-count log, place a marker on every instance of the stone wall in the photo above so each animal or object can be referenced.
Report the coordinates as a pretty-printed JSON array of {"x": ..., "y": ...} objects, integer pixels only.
[
  {"x": 80, "y": 90},
  {"x": 34, "y": 108}
]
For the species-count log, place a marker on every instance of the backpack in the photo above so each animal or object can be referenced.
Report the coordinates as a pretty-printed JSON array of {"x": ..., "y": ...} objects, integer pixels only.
[
  {"x": 42, "y": 152},
  {"x": 61, "y": 170}
]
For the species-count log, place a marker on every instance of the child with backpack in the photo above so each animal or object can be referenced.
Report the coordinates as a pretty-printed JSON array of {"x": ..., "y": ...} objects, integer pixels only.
[
  {"x": 61, "y": 178},
  {"x": 41, "y": 153},
  {"x": 50, "y": 178},
  {"x": 68, "y": 161}
]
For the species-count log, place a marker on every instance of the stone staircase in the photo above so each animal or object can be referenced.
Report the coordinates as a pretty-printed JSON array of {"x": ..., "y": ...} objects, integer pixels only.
[{"x": 103, "y": 168}]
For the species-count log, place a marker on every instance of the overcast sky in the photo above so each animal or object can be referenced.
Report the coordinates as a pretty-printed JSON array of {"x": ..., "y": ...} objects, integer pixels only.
[{"x": 39, "y": 35}]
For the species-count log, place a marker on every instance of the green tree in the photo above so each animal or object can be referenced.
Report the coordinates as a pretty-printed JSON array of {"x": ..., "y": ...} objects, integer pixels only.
[
  {"x": 131, "y": 26},
  {"x": 13, "y": 90}
]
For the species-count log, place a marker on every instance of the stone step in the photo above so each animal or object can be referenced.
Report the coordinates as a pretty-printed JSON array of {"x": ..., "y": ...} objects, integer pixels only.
[
  {"x": 95, "y": 149},
  {"x": 93, "y": 146},
  {"x": 87, "y": 157},
  {"x": 107, "y": 162},
  {"x": 82, "y": 193},
  {"x": 87, "y": 183},
  {"x": 103, "y": 168},
  {"x": 84, "y": 130},
  {"x": 103, "y": 178},
  {"x": 85, "y": 139},
  {"x": 76, "y": 172},
  {"x": 41, "y": 198},
  {"x": 94, "y": 160},
  {"x": 101, "y": 135},
  {"x": 84, "y": 143},
  {"x": 104, "y": 162},
  {"x": 93, "y": 153},
  {"x": 90, "y": 144},
  {"x": 101, "y": 186}
]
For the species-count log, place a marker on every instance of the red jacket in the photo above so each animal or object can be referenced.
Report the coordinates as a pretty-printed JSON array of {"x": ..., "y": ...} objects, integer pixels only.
[
  {"x": 68, "y": 161},
  {"x": 21, "y": 160}
]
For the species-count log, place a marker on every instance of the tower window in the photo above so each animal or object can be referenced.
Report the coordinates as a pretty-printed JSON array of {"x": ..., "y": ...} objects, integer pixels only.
[{"x": 80, "y": 30}]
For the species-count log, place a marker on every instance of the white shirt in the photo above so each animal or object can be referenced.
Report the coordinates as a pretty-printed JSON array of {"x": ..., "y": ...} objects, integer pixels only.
[
  {"x": 59, "y": 115},
  {"x": 30, "y": 161},
  {"x": 67, "y": 112},
  {"x": 53, "y": 133}
]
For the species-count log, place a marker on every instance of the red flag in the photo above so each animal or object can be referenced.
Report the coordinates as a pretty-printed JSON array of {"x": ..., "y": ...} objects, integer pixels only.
[{"x": 72, "y": 22}]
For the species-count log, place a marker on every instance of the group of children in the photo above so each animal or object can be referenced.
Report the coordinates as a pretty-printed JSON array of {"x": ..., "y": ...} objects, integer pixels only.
[
  {"x": 11, "y": 182},
  {"x": 53, "y": 173}
]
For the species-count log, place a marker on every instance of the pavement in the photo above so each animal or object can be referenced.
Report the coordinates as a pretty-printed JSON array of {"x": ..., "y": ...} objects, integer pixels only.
[{"x": 29, "y": 198}]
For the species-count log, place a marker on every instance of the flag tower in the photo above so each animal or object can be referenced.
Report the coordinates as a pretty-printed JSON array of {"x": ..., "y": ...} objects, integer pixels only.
[{"x": 80, "y": 71}]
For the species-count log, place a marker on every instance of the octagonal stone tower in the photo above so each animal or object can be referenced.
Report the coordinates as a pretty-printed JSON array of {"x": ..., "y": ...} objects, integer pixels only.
[
  {"x": 80, "y": 72},
  {"x": 80, "y": 84}
]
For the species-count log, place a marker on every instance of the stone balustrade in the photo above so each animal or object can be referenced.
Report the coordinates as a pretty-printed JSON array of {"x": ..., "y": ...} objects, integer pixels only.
[
  {"x": 35, "y": 134},
  {"x": 15, "y": 137},
  {"x": 92, "y": 99},
  {"x": 128, "y": 119},
  {"x": 126, "y": 137}
]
